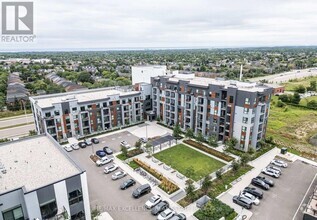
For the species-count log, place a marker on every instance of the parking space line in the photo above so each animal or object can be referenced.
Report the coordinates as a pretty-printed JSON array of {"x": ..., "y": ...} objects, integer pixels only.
[{"x": 304, "y": 197}]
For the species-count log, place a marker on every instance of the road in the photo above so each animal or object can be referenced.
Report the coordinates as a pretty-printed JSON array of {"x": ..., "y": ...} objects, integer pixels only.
[
  {"x": 11, "y": 121},
  {"x": 286, "y": 76},
  {"x": 16, "y": 131}
]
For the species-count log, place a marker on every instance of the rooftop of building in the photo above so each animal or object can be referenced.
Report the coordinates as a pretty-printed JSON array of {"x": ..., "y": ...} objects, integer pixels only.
[
  {"x": 33, "y": 163},
  {"x": 88, "y": 95},
  {"x": 205, "y": 82}
]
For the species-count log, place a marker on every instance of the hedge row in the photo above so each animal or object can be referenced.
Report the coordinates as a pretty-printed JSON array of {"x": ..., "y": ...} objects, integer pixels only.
[{"x": 209, "y": 150}]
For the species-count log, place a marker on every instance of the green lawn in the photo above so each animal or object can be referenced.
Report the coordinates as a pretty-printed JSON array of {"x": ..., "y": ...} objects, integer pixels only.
[
  {"x": 304, "y": 101},
  {"x": 181, "y": 157}
]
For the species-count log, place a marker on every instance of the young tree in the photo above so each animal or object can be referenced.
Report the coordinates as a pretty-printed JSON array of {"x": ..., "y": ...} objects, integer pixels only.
[
  {"x": 149, "y": 148},
  {"x": 235, "y": 166},
  {"x": 300, "y": 89},
  {"x": 205, "y": 184},
  {"x": 200, "y": 138},
  {"x": 296, "y": 98},
  {"x": 124, "y": 151},
  {"x": 244, "y": 159},
  {"x": 212, "y": 141},
  {"x": 137, "y": 144},
  {"x": 177, "y": 132},
  {"x": 219, "y": 173},
  {"x": 190, "y": 189},
  {"x": 232, "y": 142},
  {"x": 189, "y": 133}
]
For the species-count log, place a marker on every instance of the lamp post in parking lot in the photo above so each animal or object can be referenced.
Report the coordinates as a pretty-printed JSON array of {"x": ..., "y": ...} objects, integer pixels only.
[{"x": 92, "y": 148}]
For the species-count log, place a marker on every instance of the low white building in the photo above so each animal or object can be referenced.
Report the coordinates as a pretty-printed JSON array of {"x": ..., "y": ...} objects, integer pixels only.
[
  {"x": 38, "y": 180},
  {"x": 143, "y": 74}
]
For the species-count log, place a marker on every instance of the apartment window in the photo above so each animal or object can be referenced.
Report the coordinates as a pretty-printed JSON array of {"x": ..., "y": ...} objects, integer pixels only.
[
  {"x": 56, "y": 113},
  {"x": 252, "y": 120},
  {"x": 246, "y": 111},
  {"x": 89, "y": 107},
  {"x": 47, "y": 114},
  {"x": 104, "y": 104},
  {"x": 244, "y": 129},
  {"x": 14, "y": 214},
  {"x": 82, "y": 108},
  {"x": 75, "y": 196},
  {"x": 48, "y": 209},
  {"x": 118, "y": 102},
  {"x": 245, "y": 120},
  {"x": 216, "y": 112},
  {"x": 217, "y": 94},
  {"x": 247, "y": 101},
  {"x": 74, "y": 109},
  {"x": 58, "y": 120},
  {"x": 241, "y": 146},
  {"x": 123, "y": 101},
  {"x": 231, "y": 99},
  {"x": 242, "y": 137}
]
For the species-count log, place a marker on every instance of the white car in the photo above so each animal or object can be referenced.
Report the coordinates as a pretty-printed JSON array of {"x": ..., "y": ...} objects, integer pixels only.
[
  {"x": 166, "y": 214},
  {"x": 68, "y": 148},
  {"x": 279, "y": 163},
  {"x": 125, "y": 144},
  {"x": 110, "y": 168},
  {"x": 118, "y": 175},
  {"x": 153, "y": 201},
  {"x": 103, "y": 161},
  {"x": 74, "y": 146},
  {"x": 251, "y": 197},
  {"x": 270, "y": 172},
  {"x": 276, "y": 169}
]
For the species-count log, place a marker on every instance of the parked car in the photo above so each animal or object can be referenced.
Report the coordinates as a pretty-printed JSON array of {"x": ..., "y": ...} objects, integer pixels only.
[
  {"x": 166, "y": 214},
  {"x": 94, "y": 140},
  {"x": 88, "y": 142},
  {"x": 270, "y": 172},
  {"x": 103, "y": 161},
  {"x": 260, "y": 183},
  {"x": 110, "y": 168},
  {"x": 254, "y": 191},
  {"x": 153, "y": 201},
  {"x": 126, "y": 184},
  {"x": 266, "y": 180},
  {"x": 101, "y": 153},
  {"x": 279, "y": 163},
  {"x": 276, "y": 169},
  {"x": 107, "y": 150},
  {"x": 74, "y": 146},
  {"x": 125, "y": 144},
  {"x": 118, "y": 175},
  {"x": 242, "y": 201},
  {"x": 82, "y": 144},
  {"x": 160, "y": 207},
  {"x": 254, "y": 200},
  {"x": 141, "y": 190},
  {"x": 179, "y": 216},
  {"x": 143, "y": 140},
  {"x": 68, "y": 148}
]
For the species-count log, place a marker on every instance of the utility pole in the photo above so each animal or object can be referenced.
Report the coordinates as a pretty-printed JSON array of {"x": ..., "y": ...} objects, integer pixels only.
[{"x": 146, "y": 130}]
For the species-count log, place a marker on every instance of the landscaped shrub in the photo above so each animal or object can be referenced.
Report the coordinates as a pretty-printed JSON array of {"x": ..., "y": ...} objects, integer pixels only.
[
  {"x": 130, "y": 154},
  {"x": 209, "y": 150},
  {"x": 214, "y": 210},
  {"x": 165, "y": 184}
]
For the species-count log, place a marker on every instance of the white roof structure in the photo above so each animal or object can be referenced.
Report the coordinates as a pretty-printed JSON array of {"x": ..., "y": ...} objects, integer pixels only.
[
  {"x": 90, "y": 95},
  {"x": 34, "y": 162}
]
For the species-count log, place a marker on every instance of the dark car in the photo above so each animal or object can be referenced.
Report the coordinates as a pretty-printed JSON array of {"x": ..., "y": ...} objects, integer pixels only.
[
  {"x": 82, "y": 144},
  {"x": 100, "y": 153},
  {"x": 179, "y": 216},
  {"x": 94, "y": 140},
  {"x": 141, "y": 190},
  {"x": 260, "y": 183},
  {"x": 107, "y": 150},
  {"x": 126, "y": 184},
  {"x": 254, "y": 191},
  {"x": 159, "y": 208},
  {"x": 244, "y": 202},
  {"x": 266, "y": 180}
]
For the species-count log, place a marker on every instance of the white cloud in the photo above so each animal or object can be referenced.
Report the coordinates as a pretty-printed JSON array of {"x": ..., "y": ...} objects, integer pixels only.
[{"x": 171, "y": 23}]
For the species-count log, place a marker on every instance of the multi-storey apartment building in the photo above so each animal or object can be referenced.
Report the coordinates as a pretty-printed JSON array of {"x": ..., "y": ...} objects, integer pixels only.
[
  {"x": 38, "y": 180},
  {"x": 84, "y": 112},
  {"x": 215, "y": 107}
]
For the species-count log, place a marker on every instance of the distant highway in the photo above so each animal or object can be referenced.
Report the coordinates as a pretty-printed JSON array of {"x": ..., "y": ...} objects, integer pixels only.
[
  {"x": 16, "y": 131},
  {"x": 12, "y": 121},
  {"x": 286, "y": 76}
]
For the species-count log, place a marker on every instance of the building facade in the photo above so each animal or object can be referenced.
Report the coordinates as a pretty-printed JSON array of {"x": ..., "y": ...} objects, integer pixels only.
[
  {"x": 80, "y": 113},
  {"x": 214, "y": 107},
  {"x": 40, "y": 181}
]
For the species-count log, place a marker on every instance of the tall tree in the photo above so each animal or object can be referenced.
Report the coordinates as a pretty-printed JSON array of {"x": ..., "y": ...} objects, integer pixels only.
[{"x": 189, "y": 133}]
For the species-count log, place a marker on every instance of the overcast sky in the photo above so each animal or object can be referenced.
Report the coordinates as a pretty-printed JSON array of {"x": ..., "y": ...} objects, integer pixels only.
[{"x": 83, "y": 24}]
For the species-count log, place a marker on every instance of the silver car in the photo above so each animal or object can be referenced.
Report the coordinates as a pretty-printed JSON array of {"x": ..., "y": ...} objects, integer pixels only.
[
  {"x": 68, "y": 148},
  {"x": 118, "y": 175},
  {"x": 74, "y": 146}
]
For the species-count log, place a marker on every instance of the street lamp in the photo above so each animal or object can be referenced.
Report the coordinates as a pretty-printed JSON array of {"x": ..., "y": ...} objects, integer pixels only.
[{"x": 146, "y": 130}]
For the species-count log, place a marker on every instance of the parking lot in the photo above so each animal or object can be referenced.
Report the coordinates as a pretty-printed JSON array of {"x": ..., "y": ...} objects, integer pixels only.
[{"x": 105, "y": 192}]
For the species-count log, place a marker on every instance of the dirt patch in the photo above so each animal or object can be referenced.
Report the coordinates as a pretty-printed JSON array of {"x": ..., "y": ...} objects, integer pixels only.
[{"x": 304, "y": 129}]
